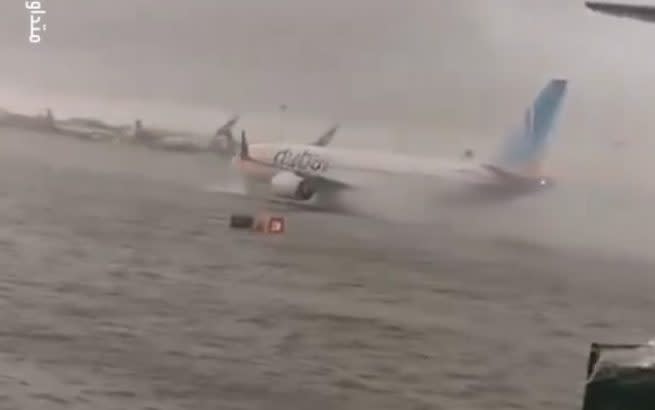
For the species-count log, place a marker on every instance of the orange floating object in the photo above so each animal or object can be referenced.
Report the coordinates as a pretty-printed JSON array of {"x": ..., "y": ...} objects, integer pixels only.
[
  {"x": 266, "y": 223},
  {"x": 276, "y": 224}
]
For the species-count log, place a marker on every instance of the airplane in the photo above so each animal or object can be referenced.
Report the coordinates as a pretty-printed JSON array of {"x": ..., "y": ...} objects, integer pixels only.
[
  {"x": 315, "y": 175},
  {"x": 180, "y": 141},
  {"x": 222, "y": 143},
  {"x": 634, "y": 11},
  {"x": 37, "y": 123},
  {"x": 87, "y": 129}
]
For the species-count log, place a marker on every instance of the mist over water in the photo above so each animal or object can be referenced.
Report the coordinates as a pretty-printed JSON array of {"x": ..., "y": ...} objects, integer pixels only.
[{"x": 420, "y": 77}]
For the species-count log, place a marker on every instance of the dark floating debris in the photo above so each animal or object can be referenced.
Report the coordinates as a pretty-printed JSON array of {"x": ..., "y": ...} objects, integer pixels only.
[
  {"x": 264, "y": 223},
  {"x": 242, "y": 221}
]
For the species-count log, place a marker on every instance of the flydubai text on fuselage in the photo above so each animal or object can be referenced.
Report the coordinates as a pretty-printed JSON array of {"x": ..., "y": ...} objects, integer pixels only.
[{"x": 304, "y": 172}]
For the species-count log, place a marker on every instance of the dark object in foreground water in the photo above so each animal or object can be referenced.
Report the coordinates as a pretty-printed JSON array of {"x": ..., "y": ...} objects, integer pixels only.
[
  {"x": 242, "y": 221},
  {"x": 263, "y": 223},
  {"x": 620, "y": 377}
]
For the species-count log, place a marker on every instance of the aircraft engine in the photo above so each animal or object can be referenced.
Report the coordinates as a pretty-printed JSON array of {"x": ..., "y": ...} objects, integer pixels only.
[{"x": 289, "y": 185}]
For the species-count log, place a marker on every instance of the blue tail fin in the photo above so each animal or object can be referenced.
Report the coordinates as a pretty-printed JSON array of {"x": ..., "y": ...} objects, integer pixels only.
[{"x": 525, "y": 147}]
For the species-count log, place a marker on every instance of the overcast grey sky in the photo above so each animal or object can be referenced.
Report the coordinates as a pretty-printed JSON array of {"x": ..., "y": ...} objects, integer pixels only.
[{"x": 426, "y": 62}]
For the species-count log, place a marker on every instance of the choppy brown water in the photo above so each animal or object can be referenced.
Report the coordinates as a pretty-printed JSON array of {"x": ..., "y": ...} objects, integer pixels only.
[{"x": 121, "y": 287}]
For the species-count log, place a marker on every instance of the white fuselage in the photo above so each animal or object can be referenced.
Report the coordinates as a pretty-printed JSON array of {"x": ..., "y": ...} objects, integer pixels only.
[
  {"x": 313, "y": 175},
  {"x": 353, "y": 165}
]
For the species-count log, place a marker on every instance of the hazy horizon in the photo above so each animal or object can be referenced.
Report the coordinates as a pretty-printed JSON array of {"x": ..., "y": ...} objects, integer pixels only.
[
  {"x": 419, "y": 76},
  {"x": 424, "y": 63}
]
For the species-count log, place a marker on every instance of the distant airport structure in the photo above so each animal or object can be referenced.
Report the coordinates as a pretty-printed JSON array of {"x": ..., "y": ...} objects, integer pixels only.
[{"x": 634, "y": 11}]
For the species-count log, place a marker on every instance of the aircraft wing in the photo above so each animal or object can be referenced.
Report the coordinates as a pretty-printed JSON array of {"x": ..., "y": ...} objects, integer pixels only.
[
  {"x": 327, "y": 137},
  {"x": 327, "y": 183},
  {"x": 351, "y": 179},
  {"x": 634, "y": 11}
]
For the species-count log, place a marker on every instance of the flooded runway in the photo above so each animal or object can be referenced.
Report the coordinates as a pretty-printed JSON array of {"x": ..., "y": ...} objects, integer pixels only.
[{"x": 122, "y": 287}]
